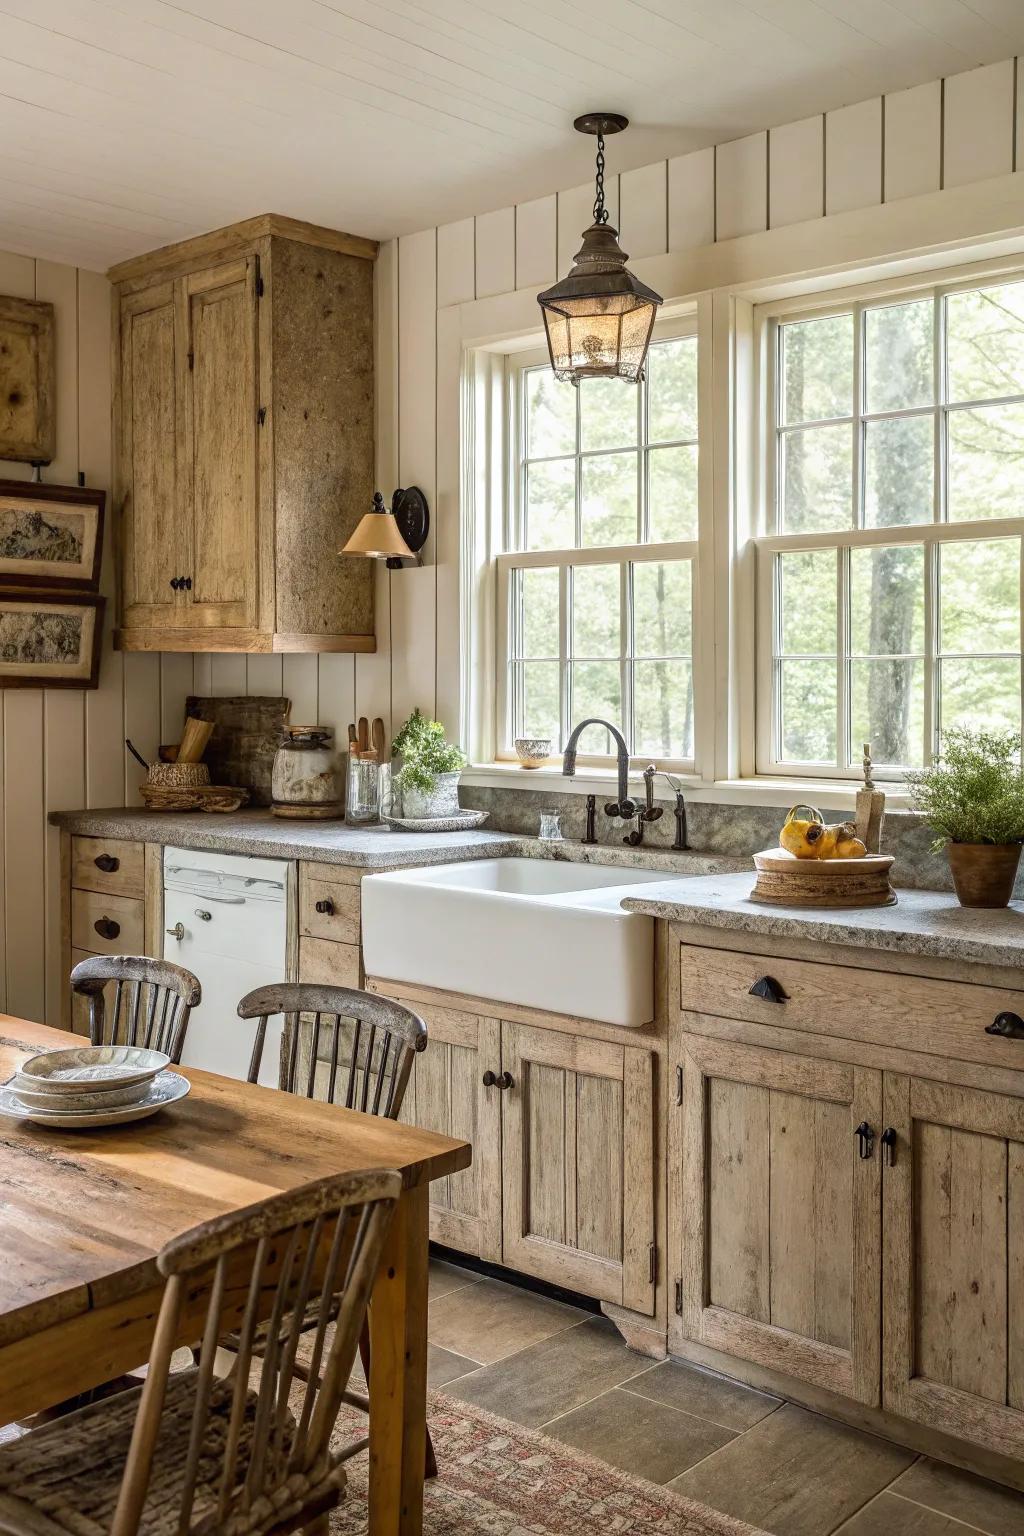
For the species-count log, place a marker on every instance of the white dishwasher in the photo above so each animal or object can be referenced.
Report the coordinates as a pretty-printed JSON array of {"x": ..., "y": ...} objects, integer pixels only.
[{"x": 225, "y": 920}]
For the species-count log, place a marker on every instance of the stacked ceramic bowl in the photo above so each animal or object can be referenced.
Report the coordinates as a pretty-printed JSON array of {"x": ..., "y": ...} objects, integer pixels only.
[{"x": 88, "y": 1086}]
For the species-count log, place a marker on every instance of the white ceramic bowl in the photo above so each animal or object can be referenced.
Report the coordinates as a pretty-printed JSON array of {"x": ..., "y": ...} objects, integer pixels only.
[
  {"x": 533, "y": 751},
  {"x": 91, "y": 1069}
]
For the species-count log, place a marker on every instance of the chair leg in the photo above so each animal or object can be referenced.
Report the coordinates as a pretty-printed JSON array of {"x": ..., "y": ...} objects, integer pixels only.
[{"x": 429, "y": 1460}]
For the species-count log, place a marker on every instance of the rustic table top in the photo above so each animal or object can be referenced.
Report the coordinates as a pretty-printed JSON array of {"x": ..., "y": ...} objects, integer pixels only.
[{"x": 83, "y": 1214}]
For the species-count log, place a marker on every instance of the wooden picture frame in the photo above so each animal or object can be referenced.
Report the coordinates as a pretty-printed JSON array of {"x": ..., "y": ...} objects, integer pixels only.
[
  {"x": 51, "y": 536},
  {"x": 28, "y": 381},
  {"x": 50, "y": 639}
]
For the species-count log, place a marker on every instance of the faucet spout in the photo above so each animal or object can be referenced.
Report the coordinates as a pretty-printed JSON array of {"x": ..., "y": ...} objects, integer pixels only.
[{"x": 569, "y": 755}]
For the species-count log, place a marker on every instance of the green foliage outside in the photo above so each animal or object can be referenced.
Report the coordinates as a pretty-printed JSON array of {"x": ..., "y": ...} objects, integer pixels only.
[
  {"x": 974, "y": 792},
  {"x": 614, "y": 423},
  {"x": 424, "y": 752}
]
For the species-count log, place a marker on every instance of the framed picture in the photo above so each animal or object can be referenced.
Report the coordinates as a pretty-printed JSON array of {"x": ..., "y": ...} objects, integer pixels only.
[
  {"x": 50, "y": 535},
  {"x": 50, "y": 640},
  {"x": 28, "y": 421}
]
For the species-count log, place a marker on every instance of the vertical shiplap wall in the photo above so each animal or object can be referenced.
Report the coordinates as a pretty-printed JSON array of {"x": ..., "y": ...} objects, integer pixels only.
[
  {"x": 64, "y": 749},
  {"x": 966, "y": 128}
]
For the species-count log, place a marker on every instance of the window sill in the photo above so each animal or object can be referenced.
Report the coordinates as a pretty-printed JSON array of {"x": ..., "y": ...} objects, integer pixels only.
[{"x": 766, "y": 790}]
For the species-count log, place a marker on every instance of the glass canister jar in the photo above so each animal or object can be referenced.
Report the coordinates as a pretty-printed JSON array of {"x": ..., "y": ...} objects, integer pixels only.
[{"x": 307, "y": 774}]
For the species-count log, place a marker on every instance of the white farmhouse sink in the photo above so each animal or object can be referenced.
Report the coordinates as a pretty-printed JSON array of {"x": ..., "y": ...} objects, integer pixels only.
[{"x": 537, "y": 932}]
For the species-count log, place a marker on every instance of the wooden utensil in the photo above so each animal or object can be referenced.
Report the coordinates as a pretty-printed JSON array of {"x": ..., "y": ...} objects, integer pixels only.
[
  {"x": 353, "y": 739},
  {"x": 194, "y": 740},
  {"x": 364, "y": 734},
  {"x": 379, "y": 740}
]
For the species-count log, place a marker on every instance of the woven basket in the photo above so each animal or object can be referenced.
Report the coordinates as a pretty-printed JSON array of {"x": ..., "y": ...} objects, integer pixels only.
[
  {"x": 204, "y": 797},
  {"x": 177, "y": 775}
]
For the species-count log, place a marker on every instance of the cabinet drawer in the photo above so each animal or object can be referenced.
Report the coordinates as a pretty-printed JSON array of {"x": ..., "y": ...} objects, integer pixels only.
[
  {"x": 121, "y": 912},
  {"x": 328, "y": 907},
  {"x": 919, "y": 1013},
  {"x": 109, "y": 865},
  {"x": 335, "y": 965}
]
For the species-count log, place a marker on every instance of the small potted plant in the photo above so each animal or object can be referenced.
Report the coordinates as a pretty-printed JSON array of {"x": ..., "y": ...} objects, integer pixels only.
[
  {"x": 428, "y": 779},
  {"x": 973, "y": 797}
]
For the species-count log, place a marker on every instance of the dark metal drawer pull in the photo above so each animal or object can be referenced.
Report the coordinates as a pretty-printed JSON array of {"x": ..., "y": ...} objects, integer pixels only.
[
  {"x": 502, "y": 1080},
  {"x": 769, "y": 989},
  {"x": 326, "y": 907},
  {"x": 107, "y": 863},
  {"x": 1009, "y": 1025},
  {"x": 889, "y": 1139},
  {"x": 866, "y": 1137},
  {"x": 107, "y": 928}
]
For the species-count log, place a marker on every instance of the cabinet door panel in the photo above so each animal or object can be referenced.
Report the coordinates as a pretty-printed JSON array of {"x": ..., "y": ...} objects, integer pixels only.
[
  {"x": 954, "y": 1244},
  {"x": 446, "y": 1094},
  {"x": 780, "y": 1219},
  {"x": 578, "y": 1163},
  {"x": 152, "y": 548},
  {"x": 221, "y": 409}
]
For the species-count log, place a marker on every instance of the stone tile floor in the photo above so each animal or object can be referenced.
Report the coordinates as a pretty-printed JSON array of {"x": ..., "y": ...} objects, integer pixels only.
[{"x": 793, "y": 1473}]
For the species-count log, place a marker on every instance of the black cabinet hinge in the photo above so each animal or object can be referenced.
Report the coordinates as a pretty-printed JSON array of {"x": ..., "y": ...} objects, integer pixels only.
[
  {"x": 259, "y": 286},
  {"x": 653, "y": 1263},
  {"x": 261, "y": 415},
  {"x": 679, "y": 1298},
  {"x": 191, "y": 360}
]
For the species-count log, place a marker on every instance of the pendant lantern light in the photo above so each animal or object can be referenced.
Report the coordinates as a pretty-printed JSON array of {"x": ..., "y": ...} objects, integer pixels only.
[{"x": 599, "y": 319}]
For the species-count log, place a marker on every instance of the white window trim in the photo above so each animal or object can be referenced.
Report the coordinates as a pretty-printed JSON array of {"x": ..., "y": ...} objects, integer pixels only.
[{"x": 769, "y": 544}]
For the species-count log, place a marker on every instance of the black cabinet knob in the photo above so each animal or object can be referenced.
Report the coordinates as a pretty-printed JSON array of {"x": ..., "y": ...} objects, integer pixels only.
[
  {"x": 186, "y": 582},
  {"x": 107, "y": 928},
  {"x": 769, "y": 989},
  {"x": 326, "y": 907},
  {"x": 1009, "y": 1025},
  {"x": 107, "y": 863},
  {"x": 175, "y": 582},
  {"x": 889, "y": 1139},
  {"x": 866, "y": 1139}
]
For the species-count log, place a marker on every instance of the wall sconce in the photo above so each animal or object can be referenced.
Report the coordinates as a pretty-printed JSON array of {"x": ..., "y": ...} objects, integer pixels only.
[{"x": 394, "y": 535}]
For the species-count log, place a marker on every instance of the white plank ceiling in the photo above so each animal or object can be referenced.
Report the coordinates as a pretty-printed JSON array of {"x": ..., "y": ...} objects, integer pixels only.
[{"x": 125, "y": 124}]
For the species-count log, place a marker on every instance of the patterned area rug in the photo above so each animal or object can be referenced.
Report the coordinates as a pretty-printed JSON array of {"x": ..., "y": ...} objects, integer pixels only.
[{"x": 498, "y": 1479}]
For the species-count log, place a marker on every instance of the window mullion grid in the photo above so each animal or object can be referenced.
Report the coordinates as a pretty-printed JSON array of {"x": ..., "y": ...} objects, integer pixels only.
[
  {"x": 843, "y": 657},
  {"x": 777, "y": 600},
  {"x": 626, "y": 652},
  {"x": 643, "y": 467},
  {"x": 859, "y": 402},
  {"x": 932, "y": 662},
  {"x": 564, "y": 649}
]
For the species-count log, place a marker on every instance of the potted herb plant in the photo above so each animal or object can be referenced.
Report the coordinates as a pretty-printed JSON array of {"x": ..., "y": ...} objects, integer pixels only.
[
  {"x": 428, "y": 779},
  {"x": 973, "y": 797}
]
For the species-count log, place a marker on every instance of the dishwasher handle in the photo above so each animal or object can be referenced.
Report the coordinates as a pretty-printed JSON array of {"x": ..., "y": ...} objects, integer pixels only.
[{"x": 225, "y": 901}]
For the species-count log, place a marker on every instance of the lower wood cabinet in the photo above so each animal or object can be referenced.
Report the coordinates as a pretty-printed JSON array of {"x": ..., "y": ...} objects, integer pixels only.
[
  {"x": 577, "y": 1159},
  {"x": 446, "y": 1093},
  {"x": 562, "y": 1180},
  {"x": 780, "y": 1213},
  {"x": 954, "y": 1261}
]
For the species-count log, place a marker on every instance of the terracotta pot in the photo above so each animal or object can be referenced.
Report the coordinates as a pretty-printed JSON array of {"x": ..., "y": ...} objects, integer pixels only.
[{"x": 983, "y": 873}]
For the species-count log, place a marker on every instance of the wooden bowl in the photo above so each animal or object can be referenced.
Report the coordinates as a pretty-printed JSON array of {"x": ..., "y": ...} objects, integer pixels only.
[
  {"x": 178, "y": 775},
  {"x": 786, "y": 881}
]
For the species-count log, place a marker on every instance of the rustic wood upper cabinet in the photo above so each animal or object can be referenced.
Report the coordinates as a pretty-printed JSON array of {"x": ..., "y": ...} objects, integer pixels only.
[{"x": 243, "y": 437}]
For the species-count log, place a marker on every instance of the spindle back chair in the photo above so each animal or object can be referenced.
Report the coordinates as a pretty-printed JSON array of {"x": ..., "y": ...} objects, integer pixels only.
[
  {"x": 157, "y": 997},
  {"x": 369, "y": 1042},
  {"x": 202, "y": 1453}
]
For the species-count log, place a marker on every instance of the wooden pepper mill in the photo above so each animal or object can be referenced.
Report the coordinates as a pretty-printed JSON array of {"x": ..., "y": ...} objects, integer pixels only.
[{"x": 870, "y": 808}]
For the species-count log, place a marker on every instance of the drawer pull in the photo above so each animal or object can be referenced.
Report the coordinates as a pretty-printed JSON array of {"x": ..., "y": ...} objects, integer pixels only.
[
  {"x": 768, "y": 988},
  {"x": 1009, "y": 1025},
  {"x": 107, "y": 863},
  {"x": 107, "y": 928},
  {"x": 866, "y": 1138},
  {"x": 177, "y": 932},
  {"x": 326, "y": 907},
  {"x": 502, "y": 1080},
  {"x": 889, "y": 1146}
]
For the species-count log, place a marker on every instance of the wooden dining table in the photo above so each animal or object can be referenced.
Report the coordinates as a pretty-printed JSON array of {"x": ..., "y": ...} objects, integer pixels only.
[{"x": 83, "y": 1215}]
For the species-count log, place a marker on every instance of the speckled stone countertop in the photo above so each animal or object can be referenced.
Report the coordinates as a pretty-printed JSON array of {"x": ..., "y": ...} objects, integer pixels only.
[
  {"x": 921, "y": 923},
  {"x": 261, "y": 835}
]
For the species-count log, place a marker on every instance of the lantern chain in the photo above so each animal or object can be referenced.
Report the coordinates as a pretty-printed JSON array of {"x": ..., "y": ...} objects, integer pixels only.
[{"x": 600, "y": 211}]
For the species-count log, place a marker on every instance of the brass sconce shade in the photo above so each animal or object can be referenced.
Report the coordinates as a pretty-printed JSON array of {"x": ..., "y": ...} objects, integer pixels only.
[
  {"x": 599, "y": 319},
  {"x": 396, "y": 535}
]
